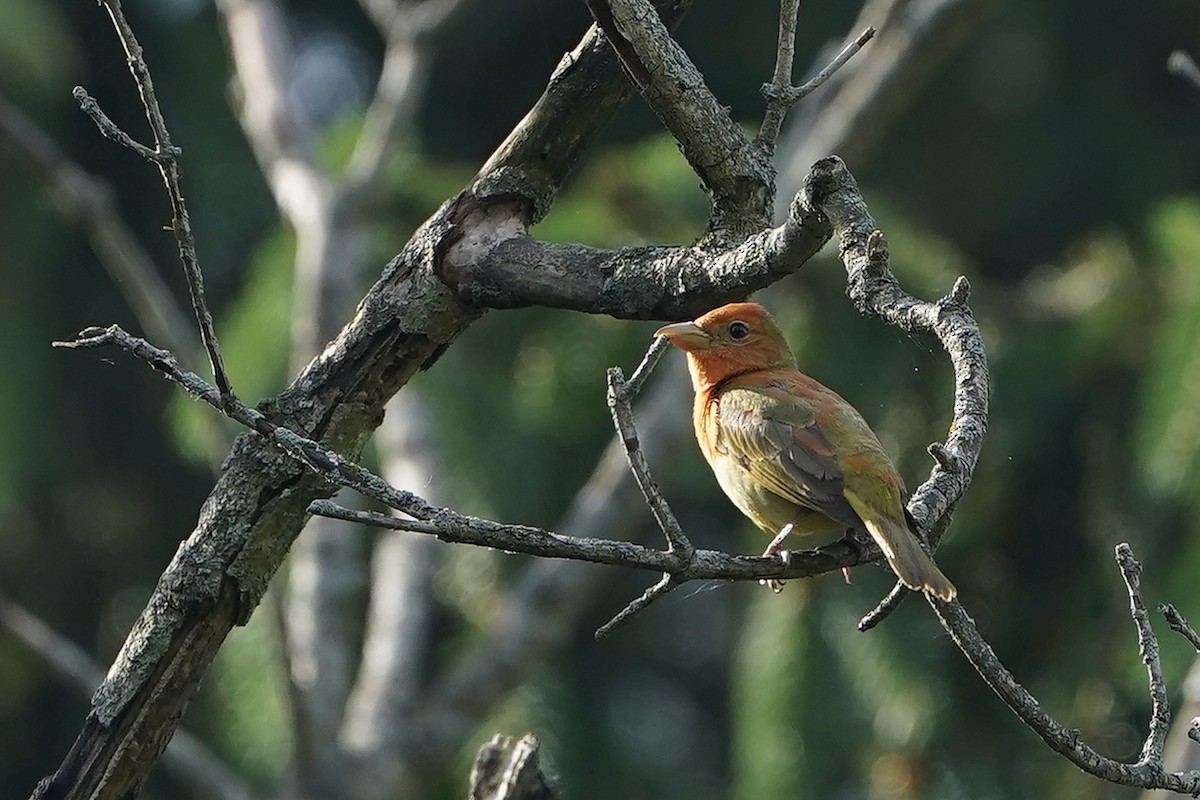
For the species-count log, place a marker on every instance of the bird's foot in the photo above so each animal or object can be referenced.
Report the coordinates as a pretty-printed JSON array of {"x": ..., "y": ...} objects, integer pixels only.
[
  {"x": 785, "y": 557},
  {"x": 860, "y": 542}
]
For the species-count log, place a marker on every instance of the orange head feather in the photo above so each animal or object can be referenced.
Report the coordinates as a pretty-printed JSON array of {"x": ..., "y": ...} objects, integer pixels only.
[{"x": 734, "y": 339}]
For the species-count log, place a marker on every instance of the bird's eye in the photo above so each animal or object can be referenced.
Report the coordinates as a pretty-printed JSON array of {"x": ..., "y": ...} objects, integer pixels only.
[{"x": 739, "y": 330}]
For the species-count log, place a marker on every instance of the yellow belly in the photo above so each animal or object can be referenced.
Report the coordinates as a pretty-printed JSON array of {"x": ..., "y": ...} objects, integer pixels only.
[{"x": 766, "y": 509}]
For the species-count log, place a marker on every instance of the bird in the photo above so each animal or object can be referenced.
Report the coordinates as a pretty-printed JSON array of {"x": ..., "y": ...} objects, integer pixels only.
[{"x": 791, "y": 454}]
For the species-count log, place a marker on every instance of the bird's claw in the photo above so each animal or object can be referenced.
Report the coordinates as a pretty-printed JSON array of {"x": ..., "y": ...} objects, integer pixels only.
[{"x": 785, "y": 558}]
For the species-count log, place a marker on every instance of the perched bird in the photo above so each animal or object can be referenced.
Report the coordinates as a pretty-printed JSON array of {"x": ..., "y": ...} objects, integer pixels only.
[{"x": 791, "y": 454}]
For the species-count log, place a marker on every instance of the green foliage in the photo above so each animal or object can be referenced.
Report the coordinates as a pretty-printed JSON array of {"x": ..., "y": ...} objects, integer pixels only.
[
  {"x": 37, "y": 48},
  {"x": 1170, "y": 422}
]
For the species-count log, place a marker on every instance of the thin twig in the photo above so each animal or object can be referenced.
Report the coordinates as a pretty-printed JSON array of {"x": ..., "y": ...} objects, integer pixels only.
[
  {"x": 89, "y": 106},
  {"x": 450, "y": 525},
  {"x": 1160, "y": 709},
  {"x": 630, "y": 388},
  {"x": 165, "y": 154},
  {"x": 797, "y": 94},
  {"x": 781, "y": 79},
  {"x": 620, "y": 395},
  {"x": 622, "y": 414},
  {"x": 1177, "y": 623},
  {"x": 890, "y": 602},
  {"x": 860, "y": 103},
  {"x": 89, "y": 199},
  {"x": 782, "y": 96},
  {"x": 1147, "y": 773},
  {"x": 666, "y": 584}
]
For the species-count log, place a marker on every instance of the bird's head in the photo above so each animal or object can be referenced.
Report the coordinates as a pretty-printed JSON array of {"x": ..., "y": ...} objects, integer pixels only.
[{"x": 731, "y": 340}]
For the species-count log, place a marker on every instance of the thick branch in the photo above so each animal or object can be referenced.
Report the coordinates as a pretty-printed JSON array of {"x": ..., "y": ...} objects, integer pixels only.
[
  {"x": 639, "y": 282},
  {"x": 738, "y": 177},
  {"x": 259, "y": 503}
]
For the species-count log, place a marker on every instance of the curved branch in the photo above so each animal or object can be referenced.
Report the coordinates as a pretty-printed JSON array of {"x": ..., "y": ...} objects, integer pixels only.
[
  {"x": 1148, "y": 771},
  {"x": 638, "y": 282}
]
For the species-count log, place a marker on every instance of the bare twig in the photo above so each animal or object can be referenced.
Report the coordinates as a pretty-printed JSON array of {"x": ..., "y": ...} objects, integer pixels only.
[
  {"x": 890, "y": 602},
  {"x": 666, "y": 584},
  {"x": 781, "y": 95},
  {"x": 798, "y": 93},
  {"x": 1148, "y": 771},
  {"x": 1177, "y": 623},
  {"x": 620, "y": 395},
  {"x": 849, "y": 115},
  {"x": 110, "y": 129},
  {"x": 1160, "y": 710},
  {"x": 165, "y": 154},
  {"x": 630, "y": 388},
  {"x": 452, "y": 526},
  {"x": 781, "y": 78}
]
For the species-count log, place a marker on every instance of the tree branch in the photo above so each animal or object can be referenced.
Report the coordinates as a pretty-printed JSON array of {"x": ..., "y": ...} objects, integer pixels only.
[
  {"x": 259, "y": 503},
  {"x": 780, "y": 93},
  {"x": 1177, "y": 623},
  {"x": 850, "y": 113},
  {"x": 1148, "y": 771},
  {"x": 638, "y": 282},
  {"x": 738, "y": 178},
  {"x": 165, "y": 155},
  {"x": 507, "y": 769}
]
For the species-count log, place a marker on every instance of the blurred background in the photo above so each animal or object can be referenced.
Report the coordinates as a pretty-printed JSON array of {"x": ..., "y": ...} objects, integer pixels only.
[{"x": 1042, "y": 150}]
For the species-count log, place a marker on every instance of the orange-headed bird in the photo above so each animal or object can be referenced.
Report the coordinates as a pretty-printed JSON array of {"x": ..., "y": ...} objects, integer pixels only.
[{"x": 791, "y": 454}]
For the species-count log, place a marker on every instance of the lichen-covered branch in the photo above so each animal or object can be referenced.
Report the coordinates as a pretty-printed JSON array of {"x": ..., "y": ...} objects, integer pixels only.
[
  {"x": 638, "y": 282},
  {"x": 737, "y": 176}
]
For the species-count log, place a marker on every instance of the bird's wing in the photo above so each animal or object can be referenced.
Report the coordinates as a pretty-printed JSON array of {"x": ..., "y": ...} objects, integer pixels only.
[{"x": 775, "y": 436}]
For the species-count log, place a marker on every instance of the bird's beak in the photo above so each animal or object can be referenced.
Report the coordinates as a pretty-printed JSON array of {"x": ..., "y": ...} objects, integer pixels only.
[{"x": 686, "y": 335}]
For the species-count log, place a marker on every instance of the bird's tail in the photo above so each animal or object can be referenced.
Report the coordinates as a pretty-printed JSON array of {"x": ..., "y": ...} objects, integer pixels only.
[{"x": 911, "y": 564}]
